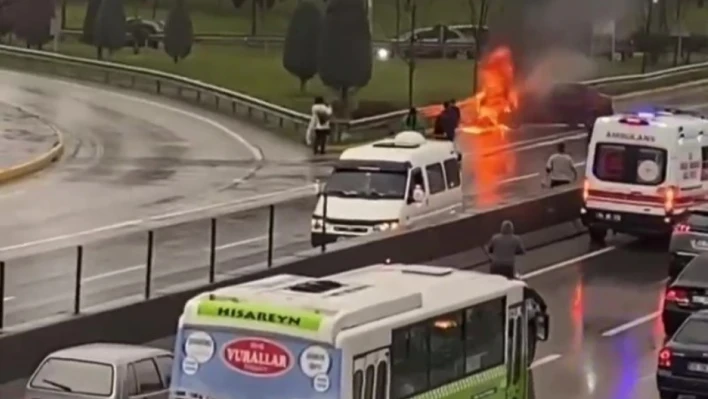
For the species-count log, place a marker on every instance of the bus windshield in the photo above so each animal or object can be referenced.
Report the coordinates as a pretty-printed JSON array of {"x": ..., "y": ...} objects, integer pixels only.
[
  {"x": 227, "y": 363},
  {"x": 367, "y": 184},
  {"x": 629, "y": 164}
]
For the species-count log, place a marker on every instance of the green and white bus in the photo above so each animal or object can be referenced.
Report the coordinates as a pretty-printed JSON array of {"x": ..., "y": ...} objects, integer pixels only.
[{"x": 379, "y": 332}]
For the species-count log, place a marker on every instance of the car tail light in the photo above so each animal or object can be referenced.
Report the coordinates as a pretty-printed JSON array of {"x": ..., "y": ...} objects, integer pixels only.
[
  {"x": 682, "y": 228},
  {"x": 677, "y": 296},
  {"x": 586, "y": 190},
  {"x": 665, "y": 356}
]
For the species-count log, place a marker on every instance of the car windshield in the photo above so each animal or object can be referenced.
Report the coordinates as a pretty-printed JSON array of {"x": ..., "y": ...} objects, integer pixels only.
[
  {"x": 630, "y": 164},
  {"x": 74, "y": 376},
  {"x": 694, "y": 332},
  {"x": 367, "y": 184}
]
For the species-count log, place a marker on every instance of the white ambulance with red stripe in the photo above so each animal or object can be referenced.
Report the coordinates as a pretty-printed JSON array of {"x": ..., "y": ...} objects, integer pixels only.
[{"x": 643, "y": 171}]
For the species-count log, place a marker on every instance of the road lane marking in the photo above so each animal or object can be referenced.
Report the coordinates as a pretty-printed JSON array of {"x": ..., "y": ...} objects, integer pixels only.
[
  {"x": 240, "y": 243},
  {"x": 545, "y": 360},
  {"x": 567, "y": 263},
  {"x": 631, "y": 324},
  {"x": 113, "y": 273},
  {"x": 8, "y": 299}
]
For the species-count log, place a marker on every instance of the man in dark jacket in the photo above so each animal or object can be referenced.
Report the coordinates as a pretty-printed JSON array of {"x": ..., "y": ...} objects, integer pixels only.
[
  {"x": 503, "y": 249},
  {"x": 450, "y": 120}
]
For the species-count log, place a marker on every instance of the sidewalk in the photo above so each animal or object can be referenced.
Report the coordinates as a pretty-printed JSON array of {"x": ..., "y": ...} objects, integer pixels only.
[{"x": 24, "y": 138}]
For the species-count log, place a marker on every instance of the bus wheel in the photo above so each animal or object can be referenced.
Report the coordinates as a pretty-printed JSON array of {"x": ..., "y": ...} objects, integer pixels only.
[{"x": 597, "y": 235}]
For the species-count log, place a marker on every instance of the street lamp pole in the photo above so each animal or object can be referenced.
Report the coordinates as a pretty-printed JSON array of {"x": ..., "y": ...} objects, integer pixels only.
[
  {"x": 411, "y": 54},
  {"x": 647, "y": 31},
  {"x": 481, "y": 18}
]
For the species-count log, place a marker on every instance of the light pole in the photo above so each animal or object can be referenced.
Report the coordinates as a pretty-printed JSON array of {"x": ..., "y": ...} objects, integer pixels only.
[
  {"x": 647, "y": 30},
  {"x": 481, "y": 18},
  {"x": 411, "y": 53}
]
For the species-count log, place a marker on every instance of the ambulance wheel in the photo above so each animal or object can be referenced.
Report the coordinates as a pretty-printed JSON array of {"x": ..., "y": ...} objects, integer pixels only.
[{"x": 597, "y": 235}]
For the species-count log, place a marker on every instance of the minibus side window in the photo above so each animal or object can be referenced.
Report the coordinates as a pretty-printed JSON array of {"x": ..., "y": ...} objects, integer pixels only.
[
  {"x": 416, "y": 179},
  {"x": 436, "y": 179}
]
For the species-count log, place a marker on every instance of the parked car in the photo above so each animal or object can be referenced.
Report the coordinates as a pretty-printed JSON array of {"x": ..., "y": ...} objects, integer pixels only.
[
  {"x": 682, "y": 367},
  {"x": 139, "y": 32},
  {"x": 440, "y": 41},
  {"x": 111, "y": 371}
]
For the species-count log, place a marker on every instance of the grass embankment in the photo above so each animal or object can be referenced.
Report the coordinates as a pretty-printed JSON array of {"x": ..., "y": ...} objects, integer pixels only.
[{"x": 259, "y": 73}]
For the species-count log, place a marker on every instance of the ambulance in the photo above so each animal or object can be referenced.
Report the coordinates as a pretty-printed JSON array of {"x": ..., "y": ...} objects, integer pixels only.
[{"x": 643, "y": 171}]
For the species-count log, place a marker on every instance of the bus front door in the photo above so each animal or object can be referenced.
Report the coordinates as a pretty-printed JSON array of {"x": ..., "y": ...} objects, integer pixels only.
[
  {"x": 372, "y": 375},
  {"x": 517, "y": 362}
]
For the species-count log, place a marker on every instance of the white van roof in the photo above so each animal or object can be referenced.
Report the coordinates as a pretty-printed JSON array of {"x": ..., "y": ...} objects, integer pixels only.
[
  {"x": 407, "y": 146},
  {"x": 348, "y": 300}
]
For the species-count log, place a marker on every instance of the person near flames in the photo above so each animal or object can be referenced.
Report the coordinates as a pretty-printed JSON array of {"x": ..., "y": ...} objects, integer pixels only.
[
  {"x": 560, "y": 170},
  {"x": 439, "y": 124},
  {"x": 319, "y": 129},
  {"x": 413, "y": 122},
  {"x": 503, "y": 249}
]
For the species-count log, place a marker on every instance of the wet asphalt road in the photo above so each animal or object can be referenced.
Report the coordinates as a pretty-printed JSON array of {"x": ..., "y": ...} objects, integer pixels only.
[{"x": 114, "y": 272}]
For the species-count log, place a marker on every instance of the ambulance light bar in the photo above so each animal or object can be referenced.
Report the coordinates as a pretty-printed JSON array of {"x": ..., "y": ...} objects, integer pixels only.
[{"x": 634, "y": 121}]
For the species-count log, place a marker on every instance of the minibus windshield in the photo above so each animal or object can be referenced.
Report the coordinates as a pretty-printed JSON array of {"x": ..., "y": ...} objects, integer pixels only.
[{"x": 364, "y": 183}]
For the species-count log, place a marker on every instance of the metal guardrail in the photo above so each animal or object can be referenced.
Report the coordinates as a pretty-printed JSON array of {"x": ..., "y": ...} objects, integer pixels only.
[{"x": 161, "y": 83}]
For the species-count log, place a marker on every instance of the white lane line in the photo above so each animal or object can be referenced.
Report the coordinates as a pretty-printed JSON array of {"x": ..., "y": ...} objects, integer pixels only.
[
  {"x": 255, "y": 151},
  {"x": 567, "y": 263},
  {"x": 631, "y": 324},
  {"x": 113, "y": 273},
  {"x": 532, "y": 175},
  {"x": 135, "y": 268},
  {"x": 240, "y": 243},
  {"x": 545, "y": 360},
  {"x": 8, "y": 299}
]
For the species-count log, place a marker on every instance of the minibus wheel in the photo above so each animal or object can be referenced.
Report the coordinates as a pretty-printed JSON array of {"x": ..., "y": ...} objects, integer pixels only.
[{"x": 597, "y": 234}]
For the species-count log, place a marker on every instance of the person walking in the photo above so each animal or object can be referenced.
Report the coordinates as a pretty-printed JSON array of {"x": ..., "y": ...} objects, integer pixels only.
[
  {"x": 413, "y": 122},
  {"x": 319, "y": 126},
  {"x": 503, "y": 249},
  {"x": 560, "y": 169}
]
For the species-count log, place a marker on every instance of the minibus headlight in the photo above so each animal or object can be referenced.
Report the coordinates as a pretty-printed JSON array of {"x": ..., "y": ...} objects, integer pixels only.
[
  {"x": 386, "y": 226},
  {"x": 316, "y": 223}
]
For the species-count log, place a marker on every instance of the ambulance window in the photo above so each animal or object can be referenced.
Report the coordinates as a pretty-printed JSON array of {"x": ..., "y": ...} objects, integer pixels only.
[
  {"x": 631, "y": 164},
  {"x": 704, "y": 159}
]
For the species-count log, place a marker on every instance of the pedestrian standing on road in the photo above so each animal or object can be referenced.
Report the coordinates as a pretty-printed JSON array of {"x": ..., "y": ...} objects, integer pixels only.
[
  {"x": 560, "y": 169},
  {"x": 319, "y": 129},
  {"x": 503, "y": 249},
  {"x": 439, "y": 125},
  {"x": 451, "y": 120}
]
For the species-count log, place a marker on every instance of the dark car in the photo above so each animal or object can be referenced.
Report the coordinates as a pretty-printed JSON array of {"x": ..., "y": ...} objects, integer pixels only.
[
  {"x": 141, "y": 32},
  {"x": 573, "y": 104},
  {"x": 689, "y": 238},
  {"x": 683, "y": 361},
  {"x": 687, "y": 294}
]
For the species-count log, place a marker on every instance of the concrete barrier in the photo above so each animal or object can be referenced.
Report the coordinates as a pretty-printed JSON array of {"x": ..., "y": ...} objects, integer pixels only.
[
  {"x": 20, "y": 352},
  {"x": 34, "y": 165}
]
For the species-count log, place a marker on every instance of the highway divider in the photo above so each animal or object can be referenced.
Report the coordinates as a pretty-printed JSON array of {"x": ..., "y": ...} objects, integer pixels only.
[
  {"x": 21, "y": 351},
  {"x": 263, "y": 112},
  {"x": 38, "y": 163}
]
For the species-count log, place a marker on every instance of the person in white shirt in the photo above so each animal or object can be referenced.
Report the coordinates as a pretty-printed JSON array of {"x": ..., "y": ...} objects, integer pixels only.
[
  {"x": 319, "y": 126},
  {"x": 560, "y": 169}
]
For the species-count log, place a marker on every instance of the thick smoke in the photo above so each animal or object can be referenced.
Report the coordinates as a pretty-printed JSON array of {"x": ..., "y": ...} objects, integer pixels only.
[{"x": 551, "y": 39}]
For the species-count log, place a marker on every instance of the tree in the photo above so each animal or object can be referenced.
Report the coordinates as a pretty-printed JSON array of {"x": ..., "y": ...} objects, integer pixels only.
[
  {"x": 90, "y": 21},
  {"x": 109, "y": 32},
  {"x": 345, "y": 55},
  {"x": 32, "y": 21},
  {"x": 179, "y": 34},
  {"x": 301, "y": 42}
]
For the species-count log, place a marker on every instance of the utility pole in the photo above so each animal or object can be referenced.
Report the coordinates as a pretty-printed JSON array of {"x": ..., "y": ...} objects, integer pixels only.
[
  {"x": 481, "y": 19},
  {"x": 647, "y": 31},
  {"x": 411, "y": 53}
]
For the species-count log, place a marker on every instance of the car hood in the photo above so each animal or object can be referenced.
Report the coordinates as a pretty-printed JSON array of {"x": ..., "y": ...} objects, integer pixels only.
[{"x": 360, "y": 209}]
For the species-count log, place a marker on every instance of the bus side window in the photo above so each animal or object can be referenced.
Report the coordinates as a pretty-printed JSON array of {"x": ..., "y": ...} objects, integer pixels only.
[
  {"x": 357, "y": 384},
  {"x": 452, "y": 172},
  {"x": 436, "y": 179},
  {"x": 485, "y": 326},
  {"x": 704, "y": 163},
  {"x": 381, "y": 380},
  {"x": 369, "y": 382}
]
